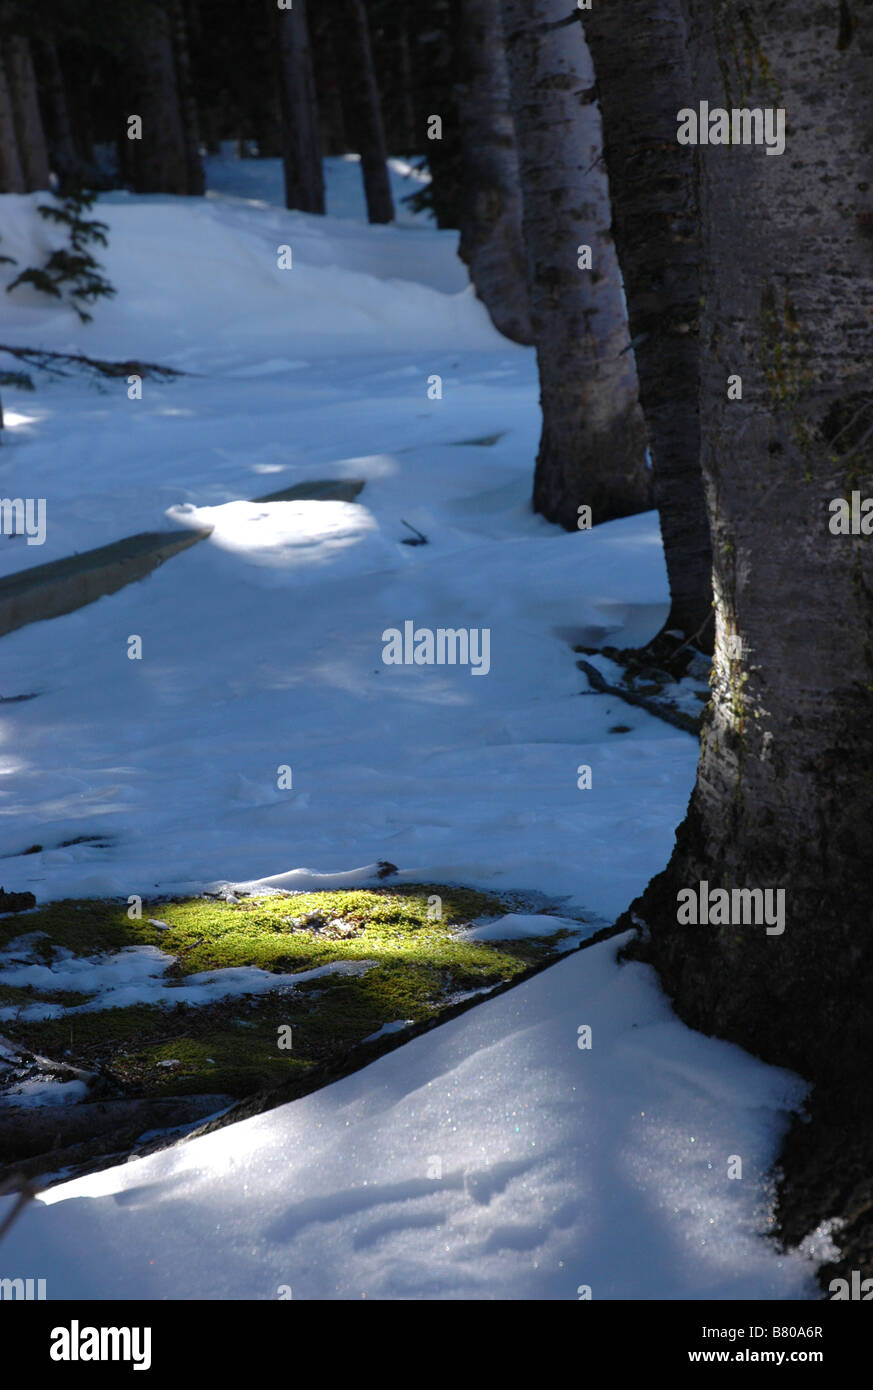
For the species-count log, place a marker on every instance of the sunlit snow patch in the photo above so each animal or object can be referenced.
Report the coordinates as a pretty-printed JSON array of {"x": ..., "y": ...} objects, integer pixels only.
[{"x": 301, "y": 538}]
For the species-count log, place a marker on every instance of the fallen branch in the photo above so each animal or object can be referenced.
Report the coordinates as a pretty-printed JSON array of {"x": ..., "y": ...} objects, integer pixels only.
[
  {"x": 670, "y": 716},
  {"x": 42, "y": 357}
]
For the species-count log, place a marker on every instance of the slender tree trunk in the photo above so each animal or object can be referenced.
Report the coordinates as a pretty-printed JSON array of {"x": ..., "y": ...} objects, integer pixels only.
[
  {"x": 592, "y": 450},
  {"x": 327, "y": 85},
  {"x": 361, "y": 102},
  {"x": 491, "y": 243},
  {"x": 405, "y": 77},
  {"x": 79, "y": 83},
  {"x": 64, "y": 155},
  {"x": 32, "y": 149},
  {"x": 159, "y": 161},
  {"x": 187, "y": 103},
  {"x": 437, "y": 57},
  {"x": 784, "y": 794},
  {"x": 11, "y": 172},
  {"x": 260, "y": 94},
  {"x": 211, "y": 116},
  {"x": 641, "y": 61},
  {"x": 301, "y": 140}
]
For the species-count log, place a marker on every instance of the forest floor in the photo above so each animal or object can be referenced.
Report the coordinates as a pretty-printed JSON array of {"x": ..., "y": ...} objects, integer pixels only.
[{"x": 229, "y": 726}]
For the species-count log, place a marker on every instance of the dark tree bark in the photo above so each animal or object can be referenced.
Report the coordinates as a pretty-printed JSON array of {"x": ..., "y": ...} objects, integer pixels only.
[
  {"x": 641, "y": 62},
  {"x": 407, "y": 125},
  {"x": 492, "y": 244},
  {"x": 327, "y": 84},
  {"x": 361, "y": 104},
  {"x": 301, "y": 140},
  {"x": 62, "y": 145},
  {"x": 187, "y": 103},
  {"x": 80, "y": 80},
  {"x": 592, "y": 449},
  {"x": 436, "y": 58},
  {"x": 32, "y": 150},
  {"x": 159, "y": 162},
  {"x": 784, "y": 793},
  {"x": 11, "y": 172}
]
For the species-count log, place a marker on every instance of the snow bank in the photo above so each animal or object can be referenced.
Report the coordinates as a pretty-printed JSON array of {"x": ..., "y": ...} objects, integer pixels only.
[{"x": 490, "y": 1158}]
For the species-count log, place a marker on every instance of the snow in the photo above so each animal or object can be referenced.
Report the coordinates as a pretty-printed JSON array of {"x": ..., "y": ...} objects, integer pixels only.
[
  {"x": 136, "y": 975},
  {"x": 516, "y": 926},
  {"x": 554, "y": 1166},
  {"x": 262, "y": 648},
  {"x": 44, "y": 1091},
  {"x": 396, "y": 1026}
]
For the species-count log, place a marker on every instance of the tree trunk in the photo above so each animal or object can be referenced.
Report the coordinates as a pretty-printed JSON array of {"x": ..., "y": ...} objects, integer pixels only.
[
  {"x": 80, "y": 80},
  {"x": 592, "y": 450},
  {"x": 159, "y": 161},
  {"x": 64, "y": 155},
  {"x": 187, "y": 103},
  {"x": 410, "y": 144},
  {"x": 32, "y": 149},
  {"x": 327, "y": 85},
  {"x": 362, "y": 108},
  {"x": 436, "y": 58},
  {"x": 11, "y": 172},
  {"x": 784, "y": 794},
  {"x": 641, "y": 61},
  {"x": 491, "y": 243},
  {"x": 301, "y": 140}
]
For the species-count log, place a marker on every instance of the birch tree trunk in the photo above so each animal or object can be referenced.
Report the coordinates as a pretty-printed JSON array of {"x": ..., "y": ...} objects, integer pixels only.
[
  {"x": 491, "y": 245},
  {"x": 301, "y": 138},
  {"x": 361, "y": 104},
  {"x": 641, "y": 61},
  {"x": 784, "y": 793},
  {"x": 592, "y": 449}
]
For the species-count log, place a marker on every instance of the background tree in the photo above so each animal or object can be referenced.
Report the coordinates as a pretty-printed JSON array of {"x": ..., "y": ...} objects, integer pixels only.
[
  {"x": 187, "y": 102},
  {"x": 491, "y": 245},
  {"x": 63, "y": 153},
  {"x": 436, "y": 57},
  {"x": 27, "y": 120},
  {"x": 163, "y": 160},
  {"x": 301, "y": 137},
  {"x": 641, "y": 62},
  {"x": 11, "y": 172},
  {"x": 592, "y": 449},
  {"x": 328, "y": 85},
  {"x": 361, "y": 103}
]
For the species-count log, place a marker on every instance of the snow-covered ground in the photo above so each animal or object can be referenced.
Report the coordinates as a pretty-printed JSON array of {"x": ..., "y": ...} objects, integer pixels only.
[
  {"x": 262, "y": 646},
  {"x": 493, "y": 1157}
]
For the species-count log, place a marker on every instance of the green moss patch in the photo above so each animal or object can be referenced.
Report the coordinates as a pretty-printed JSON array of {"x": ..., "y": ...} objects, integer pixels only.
[{"x": 423, "y": 964}]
